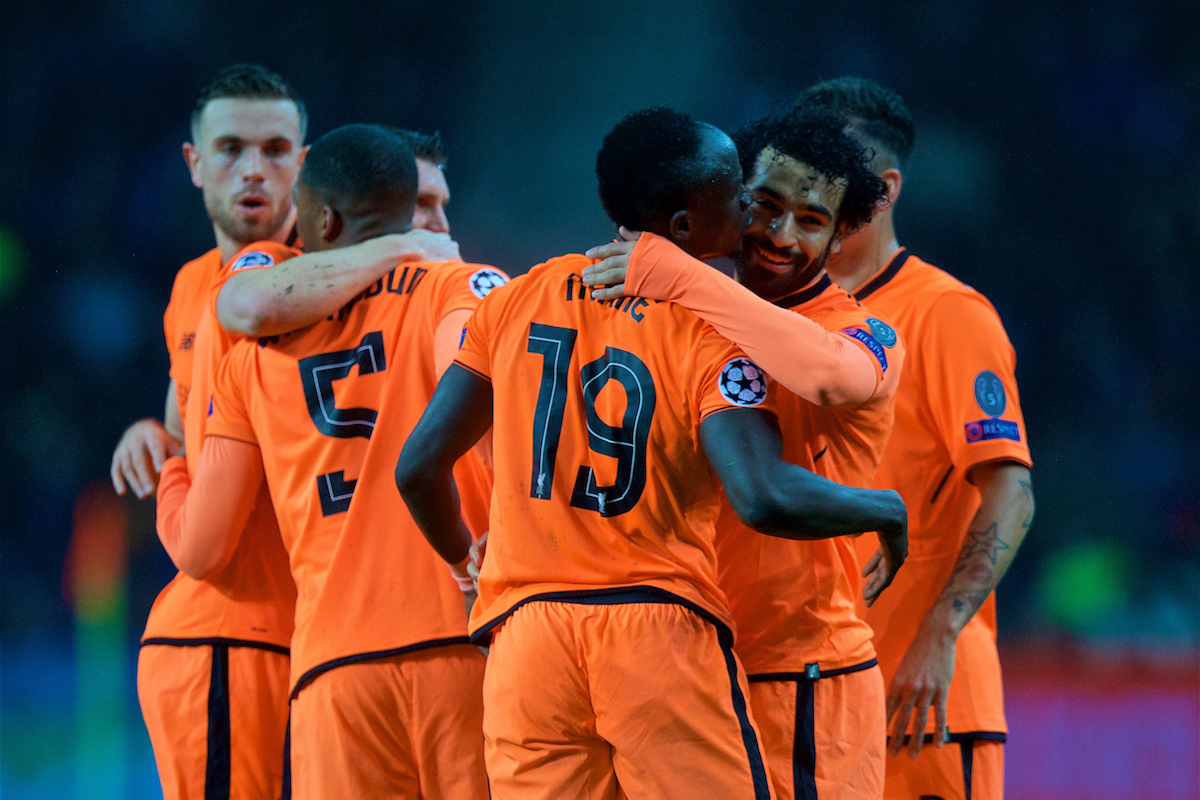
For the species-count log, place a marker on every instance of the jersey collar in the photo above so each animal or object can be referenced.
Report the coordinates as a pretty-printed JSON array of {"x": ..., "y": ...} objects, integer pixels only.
[
  {"x": 886, "y": 274},
  {"x": 804, "y": 295}
]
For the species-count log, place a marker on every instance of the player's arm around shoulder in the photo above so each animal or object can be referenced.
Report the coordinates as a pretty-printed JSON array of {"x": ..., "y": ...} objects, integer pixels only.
[
  {"x": 278, "y": 297},
  {"x": 881, "y": 342}
]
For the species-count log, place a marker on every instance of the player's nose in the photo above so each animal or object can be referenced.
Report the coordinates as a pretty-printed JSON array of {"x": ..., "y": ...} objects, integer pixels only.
[
  {"x": 251, "y": 164},
  {"x": 782, "y": 232}
]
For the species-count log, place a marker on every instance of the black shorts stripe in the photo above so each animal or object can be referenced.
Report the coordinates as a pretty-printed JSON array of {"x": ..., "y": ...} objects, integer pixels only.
[
  {"x": 359, "y": 657},
  {"x": 217, "y": 763},
  {"x": 969, "y": 736},
  {"x": 286, "y": 793},
  {"x": 804, "y": 745},
  {"x": 968, "y": 757},
  {"x": 614, "y": 595},
  {"x": 767, "y": 677},
  {"x": 215, "y": 641},
  {"x": 758, "y": 769}
]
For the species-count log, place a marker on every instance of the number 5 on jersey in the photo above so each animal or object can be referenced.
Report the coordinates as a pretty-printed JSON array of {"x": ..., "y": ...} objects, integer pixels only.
[{"x": 317, "y": 374}]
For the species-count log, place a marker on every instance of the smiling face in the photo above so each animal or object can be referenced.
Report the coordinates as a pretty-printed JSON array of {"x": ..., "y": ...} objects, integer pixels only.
[
  {"x": 794, "y": 219},
  {"x": 245, "y": 159}
]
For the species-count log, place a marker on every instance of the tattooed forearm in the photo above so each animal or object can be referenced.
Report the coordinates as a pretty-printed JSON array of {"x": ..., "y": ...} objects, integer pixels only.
[{"x": 1004, "y": 517}]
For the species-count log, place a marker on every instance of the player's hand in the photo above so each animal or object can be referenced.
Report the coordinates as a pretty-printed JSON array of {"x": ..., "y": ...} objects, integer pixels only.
[
  {"x": 476, "y": 552},
  {"x": 610, "y": 271},
  {"x": 422, "y": 245},
  {"x": 922, "y": 680},
  {"x": 469, "y": 598},
  {"x": 139, "y": 457},
  {"x": 883, "y": 566}
]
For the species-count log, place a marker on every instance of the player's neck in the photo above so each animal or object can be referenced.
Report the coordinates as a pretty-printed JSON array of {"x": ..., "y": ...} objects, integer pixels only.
[
  {"x": 357, "y": 231},
  {"x": 229, "y": 246},
  {"x": 864, "y": 253}
]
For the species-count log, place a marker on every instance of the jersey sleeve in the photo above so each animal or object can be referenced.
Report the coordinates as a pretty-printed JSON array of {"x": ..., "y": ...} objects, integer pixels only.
[
  {"x": 228, "y": 415},
  {"x": 466, "y": 286},
  {"x": 878, "y": 339},
  {"x": 822, "y": 367},
  {"x": 725, "y": 377},
  {"x": 260, "y": 255},
  {"x": 971, "y": 383},
  {"x": 474, "y": 353}
]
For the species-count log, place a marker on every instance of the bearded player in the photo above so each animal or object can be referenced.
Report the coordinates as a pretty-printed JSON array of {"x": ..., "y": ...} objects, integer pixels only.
[
  {"x": 612, "y": 667},
  {"x": 385, "y": 685},
  {"x": 959, "y": 455},
  {"x": 815, "y": 685},
  {"x": 212, "y": 670}
]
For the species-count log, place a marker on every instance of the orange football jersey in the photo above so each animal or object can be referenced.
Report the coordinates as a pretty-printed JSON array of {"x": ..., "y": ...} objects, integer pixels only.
[
  {"x": 956, "y": 407},
  {"x": 189, "y": 298},
  {"x": 370, "y": 586},
  {"x": 794, "y": 601},
  {"x": 601, "y": 481},
  {"x": 253, "y": 596}
]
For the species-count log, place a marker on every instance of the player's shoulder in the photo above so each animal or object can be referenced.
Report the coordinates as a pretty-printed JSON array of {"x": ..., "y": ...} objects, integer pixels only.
[
  {"x": 951, "y": 312},
  {"x": 561, "y": 275},
  {"x": 480, "y": 279},
  {"x": 933, "y": 283},
  {"x": 259, "y": 255},
  {"x": 198, "y": 273}
]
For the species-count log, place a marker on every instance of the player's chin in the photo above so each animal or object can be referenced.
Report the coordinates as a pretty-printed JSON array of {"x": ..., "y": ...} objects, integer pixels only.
[{"x": 253, "y": 228}]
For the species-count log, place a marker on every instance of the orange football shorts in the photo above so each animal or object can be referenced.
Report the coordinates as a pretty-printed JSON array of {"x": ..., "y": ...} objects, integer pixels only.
[
  {"x": 638, "y": 699},
  {"x": 217, "y": 718},
  {"x": 402, "y": 726},
  {"x": 965, "y": 768},
  {"x": 823, "y": 737}
]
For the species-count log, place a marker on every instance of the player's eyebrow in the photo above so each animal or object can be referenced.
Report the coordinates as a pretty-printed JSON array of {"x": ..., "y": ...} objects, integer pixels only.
[{"x": 815, "y": 208}]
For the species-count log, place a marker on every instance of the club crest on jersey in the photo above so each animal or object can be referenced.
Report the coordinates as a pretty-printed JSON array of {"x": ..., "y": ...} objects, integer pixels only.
[
  {"x": 743, "y": 383},
  {"x": 882, "y": 331},
  {"x": 989, "y": 393},
  {"x": 256, "y": 259},
  {"x": 484, "y": 280}
]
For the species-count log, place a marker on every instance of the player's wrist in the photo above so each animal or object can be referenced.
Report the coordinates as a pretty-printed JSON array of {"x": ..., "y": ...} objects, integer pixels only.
[
  {"x": 461, "y": 576},
  {"x": 942, "y": 624}
]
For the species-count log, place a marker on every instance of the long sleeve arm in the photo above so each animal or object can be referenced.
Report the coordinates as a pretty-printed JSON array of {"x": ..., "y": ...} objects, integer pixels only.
[
  {"x": 824, "y": 368},
  {"x": 199, "y": 522}
]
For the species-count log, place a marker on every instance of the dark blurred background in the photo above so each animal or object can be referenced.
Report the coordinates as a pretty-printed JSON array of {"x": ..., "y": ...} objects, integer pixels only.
[{"x": 1057, "y": 170}]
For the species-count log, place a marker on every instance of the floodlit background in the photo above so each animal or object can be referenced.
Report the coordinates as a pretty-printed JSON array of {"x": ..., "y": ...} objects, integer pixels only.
[{"x": 1056, "y": 171}]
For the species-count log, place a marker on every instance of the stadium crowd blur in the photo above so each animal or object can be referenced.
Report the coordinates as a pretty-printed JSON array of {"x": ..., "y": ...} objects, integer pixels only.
[{"x": 1056, "y": 170}]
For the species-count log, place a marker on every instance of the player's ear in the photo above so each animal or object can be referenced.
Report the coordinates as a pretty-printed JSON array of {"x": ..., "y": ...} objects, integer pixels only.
[
  {"x": 191, "y": 155},
  {"x": 680, "y": 226},
  {"x": 303, "y": 155},
  {"x": 331, "y": 224},
  {"x": 894, "y": 180}
]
